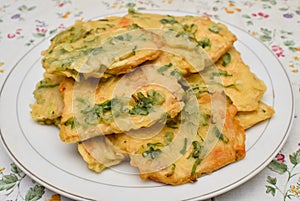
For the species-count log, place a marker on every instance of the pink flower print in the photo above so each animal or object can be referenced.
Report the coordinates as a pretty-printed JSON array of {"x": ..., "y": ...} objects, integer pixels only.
[
  {"x": 13, "y": 35},
  {"x": 61, "y": 4},
  {"x": 278, "y": 51},
  {"x": 41, "y": 30},
  {"x": 263, "y": 15},
  {"x": 280, "y": 158},
  {"x": 207, "y": 14},
  {"x": 18, "y": 31},
  {"x": 61, "y": 26},
  {"x": 260, "y": 14}
]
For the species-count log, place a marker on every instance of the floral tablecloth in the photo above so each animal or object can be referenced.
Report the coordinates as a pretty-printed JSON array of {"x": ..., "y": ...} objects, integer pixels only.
[{"x": 276, "y": 23}]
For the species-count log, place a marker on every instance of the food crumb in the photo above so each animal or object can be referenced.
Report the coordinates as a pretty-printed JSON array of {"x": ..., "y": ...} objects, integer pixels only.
[
  {"x": 55, "y": 197},
  {"x": 1, "y": 64},
  {"x": 66, "y": 15}
]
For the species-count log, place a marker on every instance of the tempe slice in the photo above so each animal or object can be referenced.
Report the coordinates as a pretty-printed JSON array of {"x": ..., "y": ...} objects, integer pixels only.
[
  {"x": 228, "y": 149},
  {"x": 48, "y": 105},
  {"x": 215, "y": 38},
  {"x": 250, "y": 118},
  {"x": 111, "y": 46},
  {"x": 96, "y": 49},
  {"x": 242, "y": 86},
  {"x": 209, "y": 149},
  {"x": 119, "y": 104}
]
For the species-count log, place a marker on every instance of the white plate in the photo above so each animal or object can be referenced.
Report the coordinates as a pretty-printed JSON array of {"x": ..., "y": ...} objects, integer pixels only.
[{"x": 37, "y": 150}]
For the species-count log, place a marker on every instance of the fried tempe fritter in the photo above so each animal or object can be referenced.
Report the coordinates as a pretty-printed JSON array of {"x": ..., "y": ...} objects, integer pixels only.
[
  {"x": 242, "y": 86},
  {"x": 117, "y": 105},
  {"x": 48, "y": 107}
]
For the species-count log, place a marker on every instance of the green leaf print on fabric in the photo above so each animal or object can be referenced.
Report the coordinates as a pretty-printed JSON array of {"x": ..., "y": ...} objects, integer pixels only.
[
  {"x": 10, "y": 185},
  {"x": 291, "y": 188},
  {"x": 266, "y": 35},
  {"x": 8, "y": 182},
  {"x": 35, "y": 193},
  {"x": 277, "y": 167}
]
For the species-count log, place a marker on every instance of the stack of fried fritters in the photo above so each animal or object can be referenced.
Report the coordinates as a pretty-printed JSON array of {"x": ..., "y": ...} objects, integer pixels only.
[{"x": 117, "y": 100}]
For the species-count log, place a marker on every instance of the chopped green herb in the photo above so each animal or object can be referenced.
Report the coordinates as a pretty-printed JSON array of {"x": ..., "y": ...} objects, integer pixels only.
[
  {"x": 110, "y": 74},
  {"x": 221, "y": 73},
  {"x": 183, "y": 150},
  {"x": 43, "y": 85},
  {"x": 144, "y": 104},
  {"x": 125, "y": 37},
  {"x": 156, "y": 97},
  {"x": 186, "y": 31},
  {"x": 117, "y": 107},
  {"x": 169, "y": 137},
  {"x": 196, "y": 164},
  {"x": 135, "y": 26},
  {"x": 100, "y": 112},
  {"x": 139, "y": 111},
  {"x": 131, "y": 10},
  {"x": 228, "y": 86},
  {"x": 192, "y": 28},
  {"x": 157, "y": 144},
  {"x": 88, "y": 51},
  {"x": 164, "y": 68},
  {"x": 198, "y": 90},
  {"x": 214, "y": 29},
  {"x": 172, "y": 170},
  {"x": 153, "y": 153},
  {"x": 225, "y": 86},
  {"x": 83, "y": 101},
  {"x": 204, "y": 119},
  {"x": 134, "y": 50},
  {"x": 204, "y": 42},
  {"x": 152, "y": 150},
  {"x": 100, "y": 29},
  {"x": 104, "y": 107},
  {"x": 87, "y": 33},
  {"x": 226, "y": 59},
  {"x": 97, "y": 50},
  {"x": 220, "y": 136},
  {"x": 70, "y": 122},
  {"x": 168, "y": 21},
  {"x": 76, "y": 34},
  {"x": 175, "y": 73},
  {"x": 66, "y": 48},
  {"x": 196, "y": 149},
  {"x": 171, "y": 123}
]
